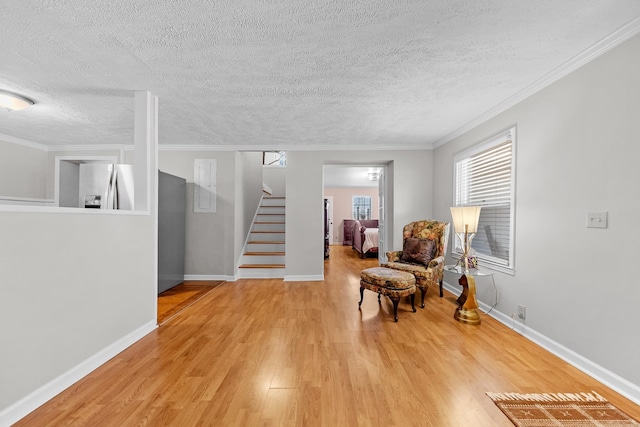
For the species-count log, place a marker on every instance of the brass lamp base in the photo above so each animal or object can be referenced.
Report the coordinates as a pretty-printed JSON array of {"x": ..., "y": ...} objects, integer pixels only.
[
  {"x": 467, "y": 303},
  {"x": 470, "y": 317}
]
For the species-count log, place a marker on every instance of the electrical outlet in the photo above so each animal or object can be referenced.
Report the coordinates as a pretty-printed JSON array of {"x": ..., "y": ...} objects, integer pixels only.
[{"x": 522, "y": 311}]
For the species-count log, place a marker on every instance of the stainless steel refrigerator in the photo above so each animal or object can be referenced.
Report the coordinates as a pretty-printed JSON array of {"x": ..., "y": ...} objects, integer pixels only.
[{"x": 106, "y": 186}]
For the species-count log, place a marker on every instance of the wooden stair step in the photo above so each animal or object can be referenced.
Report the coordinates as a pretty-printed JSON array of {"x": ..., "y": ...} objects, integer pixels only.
[
  {"x": 275, "y": 197},
  {"x": 264, "y": 253},
  {"x": 262, "y": 266}
]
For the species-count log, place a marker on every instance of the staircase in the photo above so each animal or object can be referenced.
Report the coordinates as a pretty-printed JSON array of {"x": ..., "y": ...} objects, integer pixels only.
[{"x": 264, "y": 252}]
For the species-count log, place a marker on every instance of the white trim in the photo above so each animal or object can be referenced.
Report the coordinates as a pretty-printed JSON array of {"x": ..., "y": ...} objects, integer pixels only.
[
  {"x": 59, "y": 210},
  {"x": 79, "y": 159},
  {"x": 25, "y": 143},
  {"x": 614, "y": 381},
  {"x": 601, "y": 47},
  {"x": 210, "y": 277},
  {"x": 304, "y": 278},
  {"x": 92, "y": 147},
  {"x": 52, "y": 148},
  {"x": 26, "y": 200},
  {"x": 489, "y": 143},
  {"x": 340, "y": 147},
  {"x": 43, "y": 394}
]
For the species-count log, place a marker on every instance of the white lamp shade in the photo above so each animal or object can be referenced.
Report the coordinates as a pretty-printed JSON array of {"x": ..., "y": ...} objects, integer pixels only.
[
  {"x": 14, "y": 102},
  {"x": 465, "y": 215}
]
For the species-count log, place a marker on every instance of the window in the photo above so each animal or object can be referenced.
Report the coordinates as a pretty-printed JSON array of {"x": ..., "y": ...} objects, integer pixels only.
[
  {"x": 274, "y": 158},
  {"x": 484, "y": 176},
  {"x": 361, "y": 207}
]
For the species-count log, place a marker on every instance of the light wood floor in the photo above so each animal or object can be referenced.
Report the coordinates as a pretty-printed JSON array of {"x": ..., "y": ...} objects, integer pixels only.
[
  {"x": 274, "y": 353},
  {"x": 176, "y": 299}
]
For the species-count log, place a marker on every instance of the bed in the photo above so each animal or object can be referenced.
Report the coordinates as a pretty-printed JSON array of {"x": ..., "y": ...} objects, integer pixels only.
[{"x": 365, "y": 237}]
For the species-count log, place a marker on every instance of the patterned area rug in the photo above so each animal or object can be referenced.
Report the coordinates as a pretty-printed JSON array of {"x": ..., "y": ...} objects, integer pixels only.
[{"x": 560, "y": 409}]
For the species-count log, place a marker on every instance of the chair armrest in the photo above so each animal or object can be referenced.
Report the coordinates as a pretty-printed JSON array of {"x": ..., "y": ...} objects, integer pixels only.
[
  {"x": 437, "y": 262},
  {"x": 394, "y": 256}
]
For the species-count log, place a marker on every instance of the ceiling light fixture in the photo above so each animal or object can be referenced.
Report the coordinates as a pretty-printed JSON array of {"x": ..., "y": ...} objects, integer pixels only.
[
  {"x": 14, "y": 102},
  {"x": 373, "y": 176}
]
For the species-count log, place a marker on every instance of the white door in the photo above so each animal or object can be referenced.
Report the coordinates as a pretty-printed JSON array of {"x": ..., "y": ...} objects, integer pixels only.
[
  {"x": 382, "y": 258},
  {"x": 332, "y": 238}
]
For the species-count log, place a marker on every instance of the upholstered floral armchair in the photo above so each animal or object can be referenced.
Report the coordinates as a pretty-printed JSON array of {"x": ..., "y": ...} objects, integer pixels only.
[{"x": 422, "y": 254}]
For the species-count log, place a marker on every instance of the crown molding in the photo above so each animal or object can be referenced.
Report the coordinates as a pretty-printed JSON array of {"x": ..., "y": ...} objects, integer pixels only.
[
  {"x": 195, "y": 147},
  {"x": 615, "y": 39},
  {"x": 49, "y": 148},
  {"x": 91, "y": 147},
  {"x": 23, "y": 142}
]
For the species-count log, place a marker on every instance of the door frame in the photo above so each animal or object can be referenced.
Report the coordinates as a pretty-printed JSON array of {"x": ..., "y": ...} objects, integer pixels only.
[{"x": 387, "y": 221}]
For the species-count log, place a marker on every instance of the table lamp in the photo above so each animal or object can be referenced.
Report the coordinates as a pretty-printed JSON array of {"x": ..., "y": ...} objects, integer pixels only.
[{"x": 465, "y": 225}]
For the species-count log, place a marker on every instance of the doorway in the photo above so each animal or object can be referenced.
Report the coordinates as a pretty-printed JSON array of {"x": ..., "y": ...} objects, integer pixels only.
[{"x": 348, "y": 186}]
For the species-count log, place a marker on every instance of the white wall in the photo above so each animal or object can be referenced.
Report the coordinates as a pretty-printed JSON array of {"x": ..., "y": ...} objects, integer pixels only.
[
  {"x": 63, "y": 280},
  {"x": 77, "y": 287},
  {"x": 577, "y": 151},
  {"x": 275, "y": 178},
  {"x": 410, "y": 183},
  {"x": 23, "y": 171},
  {"x": 209, "y": 236},
  {"x": 248, "y": 195},
  {"x": 214, "y": 241}
]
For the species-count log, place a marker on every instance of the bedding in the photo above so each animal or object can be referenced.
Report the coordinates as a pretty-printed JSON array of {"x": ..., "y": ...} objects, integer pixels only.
[{"x": 365, "y": 237}]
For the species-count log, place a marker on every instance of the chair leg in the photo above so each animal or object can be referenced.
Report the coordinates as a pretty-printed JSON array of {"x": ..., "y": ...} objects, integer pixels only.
[
  {"x": 395, "y": 308},
  {"x": 379, "y": 294},
  {"x": 413, "y": 298},
  {"x": 361, "y": 296},
  {"x": 423, "y": 291},
  {"x": 441, "y": 293}
]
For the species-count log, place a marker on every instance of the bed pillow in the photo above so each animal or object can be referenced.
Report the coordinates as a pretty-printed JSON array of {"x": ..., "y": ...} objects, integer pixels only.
[{"x": 419, "y": 251}]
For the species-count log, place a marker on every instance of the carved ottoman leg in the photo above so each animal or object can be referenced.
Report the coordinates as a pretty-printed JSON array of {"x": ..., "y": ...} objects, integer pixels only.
[
  {"x": 423, "y": 291},
  {"x": 379, "y": 298},
  {"x": 441, "y": 293},
  {"x": 361, "y": 296},
  {"x": 395, "y": 307},
  {"x": 413, "y": 298}
]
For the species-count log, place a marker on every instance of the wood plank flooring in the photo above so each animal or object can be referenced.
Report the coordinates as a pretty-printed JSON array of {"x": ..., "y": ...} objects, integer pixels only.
[
  {"x": 273, "y": 353},
  {"x": 174, "y": 300}
]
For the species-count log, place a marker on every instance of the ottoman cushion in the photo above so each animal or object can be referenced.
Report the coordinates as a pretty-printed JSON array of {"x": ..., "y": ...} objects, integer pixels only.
[{"x": 388, "y": 278}]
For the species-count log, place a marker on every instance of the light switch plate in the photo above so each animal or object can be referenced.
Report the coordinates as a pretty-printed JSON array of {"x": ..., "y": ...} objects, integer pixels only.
[{"x": 596, "y": 219}]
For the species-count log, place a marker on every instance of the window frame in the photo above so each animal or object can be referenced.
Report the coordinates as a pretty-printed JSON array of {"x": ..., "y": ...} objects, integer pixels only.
[
  {"x": 353, "y": 197},
  {"x": 486, "y": 260},
  {"x": 280, "y": 161}
]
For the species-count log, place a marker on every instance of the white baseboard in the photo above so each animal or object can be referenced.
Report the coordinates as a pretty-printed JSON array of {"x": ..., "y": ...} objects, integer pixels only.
[
  {"x": 32, "y": 401},
  {"x": 615, "y": 382},
  {"x": 304, "y": 278},
  {"x": 209, "y": 277}
]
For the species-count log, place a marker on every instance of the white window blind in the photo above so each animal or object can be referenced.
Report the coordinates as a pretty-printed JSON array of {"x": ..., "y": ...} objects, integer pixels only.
[{"x": 484, "y": 176}]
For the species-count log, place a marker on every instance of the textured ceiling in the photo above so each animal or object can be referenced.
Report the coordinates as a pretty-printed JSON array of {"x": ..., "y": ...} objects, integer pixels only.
[
  {"x": 279, "y": 74},
  {"x": 349, "y": 176}
]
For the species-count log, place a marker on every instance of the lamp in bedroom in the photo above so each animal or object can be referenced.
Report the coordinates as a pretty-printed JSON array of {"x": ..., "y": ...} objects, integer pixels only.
[{"x": 465, "y": 225}]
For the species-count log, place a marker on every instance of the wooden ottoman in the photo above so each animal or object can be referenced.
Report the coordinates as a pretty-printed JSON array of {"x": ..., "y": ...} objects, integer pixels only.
[{"x": 393, "y": 283}]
